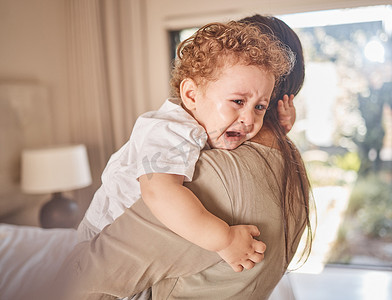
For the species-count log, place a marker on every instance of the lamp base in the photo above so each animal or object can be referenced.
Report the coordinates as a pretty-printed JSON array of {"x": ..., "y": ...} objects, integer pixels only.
[{"x": 59, "y": 212}]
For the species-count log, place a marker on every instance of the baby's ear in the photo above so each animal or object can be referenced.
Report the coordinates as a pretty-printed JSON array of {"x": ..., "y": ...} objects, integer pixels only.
[{"x": 188, "y": 89}]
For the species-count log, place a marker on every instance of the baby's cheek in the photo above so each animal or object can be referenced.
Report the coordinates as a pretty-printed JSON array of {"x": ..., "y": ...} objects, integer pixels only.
[
  {"x": 259, "y": 121},
  {"x": 225, "y": 113}
]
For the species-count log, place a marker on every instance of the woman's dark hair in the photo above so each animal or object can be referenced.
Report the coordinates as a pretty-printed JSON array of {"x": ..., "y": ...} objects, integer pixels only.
[{"x": 296, "y": 186}]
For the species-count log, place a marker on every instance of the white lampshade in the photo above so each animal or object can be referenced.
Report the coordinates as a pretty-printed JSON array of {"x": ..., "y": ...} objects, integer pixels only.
[{"x": 56, "y": 169}]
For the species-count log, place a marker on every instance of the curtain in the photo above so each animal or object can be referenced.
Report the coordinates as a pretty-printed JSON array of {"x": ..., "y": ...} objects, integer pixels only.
[{"x": 106, "y": 41}]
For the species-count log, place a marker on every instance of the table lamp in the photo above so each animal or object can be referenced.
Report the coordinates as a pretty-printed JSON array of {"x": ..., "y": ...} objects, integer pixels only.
[{"x": 56, "y": 170}]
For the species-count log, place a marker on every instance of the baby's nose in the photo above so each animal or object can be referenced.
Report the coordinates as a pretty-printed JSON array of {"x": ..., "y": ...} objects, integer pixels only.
[{"x": 247, "y": 118}]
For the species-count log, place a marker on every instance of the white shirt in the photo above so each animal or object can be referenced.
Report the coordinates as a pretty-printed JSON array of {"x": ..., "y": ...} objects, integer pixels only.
[{"x": 165, "y": 141}]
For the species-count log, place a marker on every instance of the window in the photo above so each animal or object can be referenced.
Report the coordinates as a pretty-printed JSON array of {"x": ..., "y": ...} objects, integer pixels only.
[{"x": 344, "y": 130}]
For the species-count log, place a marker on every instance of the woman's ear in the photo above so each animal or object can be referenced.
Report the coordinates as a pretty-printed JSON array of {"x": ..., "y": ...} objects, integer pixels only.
[{"x": 188, "y": 91}]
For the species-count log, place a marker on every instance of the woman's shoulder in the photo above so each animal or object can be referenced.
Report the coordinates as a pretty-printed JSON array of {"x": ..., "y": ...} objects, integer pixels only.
[
  {"x": 248, "y": 155},
  {"x": 248, "y": 170}
]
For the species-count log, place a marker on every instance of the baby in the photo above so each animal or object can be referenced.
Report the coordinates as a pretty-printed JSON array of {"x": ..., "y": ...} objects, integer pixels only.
[{"x": 222, "y": 83}]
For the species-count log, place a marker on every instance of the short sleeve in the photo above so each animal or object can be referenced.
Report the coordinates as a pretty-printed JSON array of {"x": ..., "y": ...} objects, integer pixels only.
[{"x": 168, "y": 141}]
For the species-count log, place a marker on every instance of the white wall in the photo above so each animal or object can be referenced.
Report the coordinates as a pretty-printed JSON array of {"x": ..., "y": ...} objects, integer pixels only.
[
  {"x": 33, "y": 49},
  {"x": 32, "y": 54}
]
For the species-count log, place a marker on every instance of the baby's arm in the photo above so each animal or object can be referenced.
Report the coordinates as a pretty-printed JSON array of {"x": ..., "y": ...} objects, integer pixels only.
[
  {"x": 286, "y": 112},
  {"x": 182, "y": 212}
]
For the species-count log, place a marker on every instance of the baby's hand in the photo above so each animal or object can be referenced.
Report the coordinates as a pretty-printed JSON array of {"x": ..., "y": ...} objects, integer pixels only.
[
  {"x": 243, "y": 251},
  {"x": 286, "y": 112}
]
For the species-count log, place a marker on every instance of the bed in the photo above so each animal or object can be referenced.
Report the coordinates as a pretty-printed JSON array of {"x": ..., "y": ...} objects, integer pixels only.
[
  {"x": 28, "y": 255},
  {"x": 31, "y": 256}
]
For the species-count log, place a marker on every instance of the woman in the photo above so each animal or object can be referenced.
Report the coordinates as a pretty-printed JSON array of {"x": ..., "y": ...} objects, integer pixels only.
[
  {"x": 271, "y": 134},
  {"x": 261, "y": 182}
]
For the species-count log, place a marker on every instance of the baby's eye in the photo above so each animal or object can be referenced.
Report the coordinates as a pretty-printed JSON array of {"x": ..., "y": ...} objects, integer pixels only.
[
  {"x": 260, "y": 107},
  {"x": 238, "y": 101}
]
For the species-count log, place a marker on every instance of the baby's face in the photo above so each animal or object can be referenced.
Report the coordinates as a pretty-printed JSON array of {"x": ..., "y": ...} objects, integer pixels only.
[{"x": 232, "y": 108}]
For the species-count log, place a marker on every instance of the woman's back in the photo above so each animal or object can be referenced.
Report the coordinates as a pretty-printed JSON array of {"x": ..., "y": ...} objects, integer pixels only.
[{"x": 246, "y": 188}]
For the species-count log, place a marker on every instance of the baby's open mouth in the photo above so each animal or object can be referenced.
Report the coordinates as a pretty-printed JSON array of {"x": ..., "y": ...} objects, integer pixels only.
[{"x": 233, "y": 133}]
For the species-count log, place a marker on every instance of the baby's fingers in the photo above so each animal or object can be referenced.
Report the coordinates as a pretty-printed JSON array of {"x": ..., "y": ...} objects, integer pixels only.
[
  {"x": 281, "y": 106},
  {"x": 254, "y": 231},
  {"x": 256, "y": 257},
  {"x": 237, "y": 268},
  {"x": 290, "y": 99},
  {"x": 248, "y": 264},
  {"x": 286, "y": 102},
  {"x": 259, "y": 246}
]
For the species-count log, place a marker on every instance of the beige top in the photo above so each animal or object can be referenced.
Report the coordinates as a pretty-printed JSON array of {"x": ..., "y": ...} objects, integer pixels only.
[{"x": 135, "y": 252}]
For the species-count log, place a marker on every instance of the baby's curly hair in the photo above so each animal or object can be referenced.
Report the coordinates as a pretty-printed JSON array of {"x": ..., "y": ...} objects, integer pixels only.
[{"x": 201, "y": 56}]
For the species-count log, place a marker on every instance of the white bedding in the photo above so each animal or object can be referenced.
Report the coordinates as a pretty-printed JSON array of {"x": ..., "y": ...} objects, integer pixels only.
[{"x": 29, "y": 257}]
